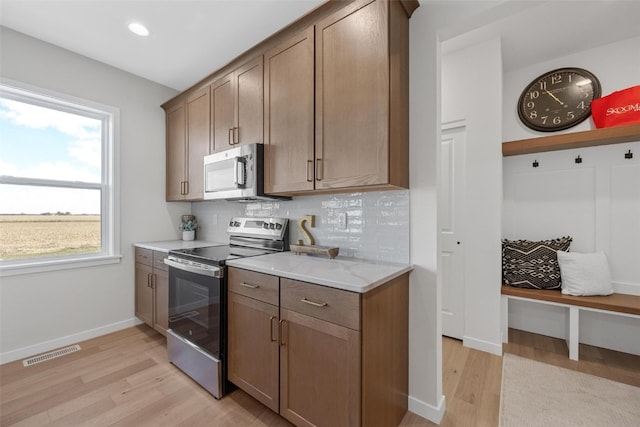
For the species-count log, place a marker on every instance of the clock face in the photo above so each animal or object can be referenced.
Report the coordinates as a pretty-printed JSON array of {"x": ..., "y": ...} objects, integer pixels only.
[{"x": 558, "y": 99}]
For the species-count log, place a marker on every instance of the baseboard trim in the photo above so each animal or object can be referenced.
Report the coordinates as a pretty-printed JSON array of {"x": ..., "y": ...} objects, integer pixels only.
[
  {"x": 430, "y": 412},
  {"x": 33, "y": 350},
  {"x": 486, "y": 346}
]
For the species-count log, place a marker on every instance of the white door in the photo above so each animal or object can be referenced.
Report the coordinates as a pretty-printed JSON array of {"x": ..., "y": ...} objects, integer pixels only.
[{"x": 451, "y": 212}]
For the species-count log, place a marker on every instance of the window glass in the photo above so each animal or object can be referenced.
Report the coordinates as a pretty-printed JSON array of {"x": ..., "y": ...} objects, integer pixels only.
[
  {"x": 56, "y": 179},
  {"x": 40, "y": 142},
  {"x": 48, "y": 221}
]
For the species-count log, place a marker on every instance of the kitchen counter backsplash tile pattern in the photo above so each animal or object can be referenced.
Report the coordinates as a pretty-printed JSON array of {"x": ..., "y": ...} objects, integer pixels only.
[{"x": 377, "y": 225}]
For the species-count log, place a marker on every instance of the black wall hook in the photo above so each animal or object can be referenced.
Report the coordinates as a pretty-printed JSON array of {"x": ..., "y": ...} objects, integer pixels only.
[
  {"x": 535, "y": 164},
  {"x": 578, "y": 159},
  {"x": 628, "y": 155}
]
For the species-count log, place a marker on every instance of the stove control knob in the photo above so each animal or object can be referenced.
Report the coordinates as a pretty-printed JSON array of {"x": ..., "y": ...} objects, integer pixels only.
[
  {"x": 231, "y": 223},
  {"x": 236, "y": 224},
  {"x": 278, "y": 226},
  {"x": 272, "y": 226},
  {"x": 265, "y": 226}
]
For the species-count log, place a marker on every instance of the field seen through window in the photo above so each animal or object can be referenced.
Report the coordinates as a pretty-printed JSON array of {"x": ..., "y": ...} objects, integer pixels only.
[{"x": 27, "y": 236}]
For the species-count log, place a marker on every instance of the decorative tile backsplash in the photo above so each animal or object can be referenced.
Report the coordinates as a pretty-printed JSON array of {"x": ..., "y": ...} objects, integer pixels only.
[{"x": 377, "y": 223}]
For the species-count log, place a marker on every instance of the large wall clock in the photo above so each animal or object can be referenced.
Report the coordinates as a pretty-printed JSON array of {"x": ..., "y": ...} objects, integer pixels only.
[{"x": 558, "y": 99}]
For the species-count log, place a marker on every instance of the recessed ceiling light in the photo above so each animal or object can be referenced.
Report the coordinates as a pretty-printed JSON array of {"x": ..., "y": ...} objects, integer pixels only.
[{"x": 139, "y": 29}]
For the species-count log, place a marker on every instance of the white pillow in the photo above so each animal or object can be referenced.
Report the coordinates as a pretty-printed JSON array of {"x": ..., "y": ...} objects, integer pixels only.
[{"x": 584, "y": 274}]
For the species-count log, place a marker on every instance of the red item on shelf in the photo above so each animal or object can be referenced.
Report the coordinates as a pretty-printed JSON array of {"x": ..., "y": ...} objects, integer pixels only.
[{"x": 618, "y": 109}]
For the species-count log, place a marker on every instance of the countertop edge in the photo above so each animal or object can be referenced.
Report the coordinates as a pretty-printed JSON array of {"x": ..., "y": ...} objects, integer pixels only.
[
  {"x": 169, "y": 245},
  {"x": 323, "y": 281}
]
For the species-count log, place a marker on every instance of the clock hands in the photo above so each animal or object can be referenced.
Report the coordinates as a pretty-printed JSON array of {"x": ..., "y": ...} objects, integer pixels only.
[{"x": 554, "y": 97}]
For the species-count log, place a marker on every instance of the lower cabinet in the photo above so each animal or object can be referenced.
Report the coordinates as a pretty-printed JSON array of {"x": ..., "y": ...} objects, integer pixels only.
[
  {"x": 152, "y": 289},
  {"x": 254, "y": 348},
  {"x": 314, "y": 354}
]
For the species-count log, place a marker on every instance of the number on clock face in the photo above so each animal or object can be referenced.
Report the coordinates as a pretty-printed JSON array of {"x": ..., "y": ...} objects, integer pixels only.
[{"x": 558, "y": 100}]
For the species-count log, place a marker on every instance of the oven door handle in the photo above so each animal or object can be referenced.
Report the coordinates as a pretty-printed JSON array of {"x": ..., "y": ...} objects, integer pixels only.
[{"x": 212, "y": 271}]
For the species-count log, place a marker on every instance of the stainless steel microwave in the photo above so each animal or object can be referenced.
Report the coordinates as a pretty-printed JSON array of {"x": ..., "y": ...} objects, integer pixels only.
[{"x": 236, "y": 174}]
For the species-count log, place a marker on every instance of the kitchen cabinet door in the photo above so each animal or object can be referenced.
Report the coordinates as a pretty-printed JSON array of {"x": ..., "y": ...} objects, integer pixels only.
[
  {"x": 144, "y": 306},
  {"x": 319, "y": 372},
  {"x": 352, "y": 96},
  {"x": 289, "y": 115},
  {"x": 248, "y": 93},
  {"x": 237, "y": 110},
  {"x": 198, "y": 139},
  {"x": 176, "y": 121},
  {"x": 222, "y": 116},
  {"x": 253, "y": 348}
]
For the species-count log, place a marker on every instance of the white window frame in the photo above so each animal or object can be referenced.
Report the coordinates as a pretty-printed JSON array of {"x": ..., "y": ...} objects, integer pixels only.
[{"x": 109, "y": 185}]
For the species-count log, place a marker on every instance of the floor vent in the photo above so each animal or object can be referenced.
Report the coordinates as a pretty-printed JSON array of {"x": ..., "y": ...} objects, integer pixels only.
[{"x": 51, "y": 355}]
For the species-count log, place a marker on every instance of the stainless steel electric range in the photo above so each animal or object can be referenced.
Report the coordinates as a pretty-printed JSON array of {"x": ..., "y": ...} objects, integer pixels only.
[{"x": 196, "y": 339}]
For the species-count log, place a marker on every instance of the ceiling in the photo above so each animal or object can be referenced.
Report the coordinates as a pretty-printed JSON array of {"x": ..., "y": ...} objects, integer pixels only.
[
  {"x": 536, "y": 31},
  {"x": 191, "y": 38}
]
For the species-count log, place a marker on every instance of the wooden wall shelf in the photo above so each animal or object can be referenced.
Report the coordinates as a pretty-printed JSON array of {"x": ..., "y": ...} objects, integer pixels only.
[{"x": 566, "y": 141}]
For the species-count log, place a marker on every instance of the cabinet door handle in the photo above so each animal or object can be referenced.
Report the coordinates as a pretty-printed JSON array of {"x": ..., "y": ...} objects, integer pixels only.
[
  {"x": 319, "y": 171},
  {"x": 249, "y": 285},
  {"x": 271, "y": 319},
  {"x": 313, "y": 303},
  {"x": 186, "y": 188},
  {"x": 148, "y": 280},
  {"x": 153, "y": 281},
  {"x": 309, "y": 167},
  {"x": 236, "y": 135},
  {"x": 230, "y": 136},
  {"x": 281, "y": 324}
]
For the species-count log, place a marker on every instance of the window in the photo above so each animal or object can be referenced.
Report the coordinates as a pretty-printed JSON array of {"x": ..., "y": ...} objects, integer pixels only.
[{"x": 57, "y": 183}]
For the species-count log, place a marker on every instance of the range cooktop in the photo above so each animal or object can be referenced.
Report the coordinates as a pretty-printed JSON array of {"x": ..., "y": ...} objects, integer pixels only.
[{"x": 217, "y": 255}]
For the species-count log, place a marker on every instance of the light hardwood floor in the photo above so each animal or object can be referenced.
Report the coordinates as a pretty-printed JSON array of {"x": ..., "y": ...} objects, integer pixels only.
[{"x": 124, "y": 379}]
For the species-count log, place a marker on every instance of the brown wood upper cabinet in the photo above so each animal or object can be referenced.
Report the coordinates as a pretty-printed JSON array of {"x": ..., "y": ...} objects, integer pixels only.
[
  {"x": 188, "y": 127},
  {"x": 236, "y": 107},
  {"x": 289, "y": 115},
  {"x": 362, "y": 97},
  {"x": 328, "y": 96},
  {"x": 176, "y": 151},
  {"x": 361, "y": 103}
]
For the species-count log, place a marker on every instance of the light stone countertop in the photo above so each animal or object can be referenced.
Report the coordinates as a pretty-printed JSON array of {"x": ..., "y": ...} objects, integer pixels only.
[
  {"x": 168, "y": 245},
  {"x": 350, "y": 274}
]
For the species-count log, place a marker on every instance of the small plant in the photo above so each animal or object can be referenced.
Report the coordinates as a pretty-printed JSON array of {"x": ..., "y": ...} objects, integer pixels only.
[{"x": 188, "y": 225}]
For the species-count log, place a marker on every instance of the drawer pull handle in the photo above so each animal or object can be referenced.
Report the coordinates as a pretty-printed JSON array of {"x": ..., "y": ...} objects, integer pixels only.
[
  {"x": 313, "y": 303},
  {"x": 249, "y": 285}
]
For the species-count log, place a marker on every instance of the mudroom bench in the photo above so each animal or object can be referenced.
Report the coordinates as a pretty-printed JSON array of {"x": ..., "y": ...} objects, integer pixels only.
[{"x": 619, "y": 304}]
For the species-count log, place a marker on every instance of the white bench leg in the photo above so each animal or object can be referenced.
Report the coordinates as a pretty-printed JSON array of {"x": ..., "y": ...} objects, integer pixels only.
[
  {"x": 504, "y": 318},
  {"x": 573, "y": 332}
]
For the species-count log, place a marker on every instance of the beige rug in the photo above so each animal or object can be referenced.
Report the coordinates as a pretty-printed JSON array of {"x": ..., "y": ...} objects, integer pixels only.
[{"x": 538, "y": 394}]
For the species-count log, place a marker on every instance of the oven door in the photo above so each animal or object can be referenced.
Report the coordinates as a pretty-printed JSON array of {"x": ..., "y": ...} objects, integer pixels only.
[{"x": 196, "y": 306}]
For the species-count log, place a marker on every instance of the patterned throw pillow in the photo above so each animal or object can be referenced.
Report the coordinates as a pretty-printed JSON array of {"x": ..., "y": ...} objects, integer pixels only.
[{"x": 527, "y": 264}]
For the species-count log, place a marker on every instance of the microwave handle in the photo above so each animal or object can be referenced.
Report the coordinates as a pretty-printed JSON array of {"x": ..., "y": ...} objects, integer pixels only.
[{"x": 239, "y": 171}]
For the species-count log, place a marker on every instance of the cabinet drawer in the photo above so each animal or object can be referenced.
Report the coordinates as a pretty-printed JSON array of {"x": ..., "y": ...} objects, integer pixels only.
[
  {"x": 333, "y": 305},
  {"x": 158, "y": 261},
  {"x": 144, "y": 256},
  {"x": 262, "y": 287}
]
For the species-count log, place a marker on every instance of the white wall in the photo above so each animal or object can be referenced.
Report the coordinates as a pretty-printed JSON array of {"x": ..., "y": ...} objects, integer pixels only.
[
  {"x": 597, "y": 202},
  {"x": 617, "y": 66},
  {"x": 47, "y": 310},
  {"x": 474, "y": 94},
  {"x": 425, "y": 343}
]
